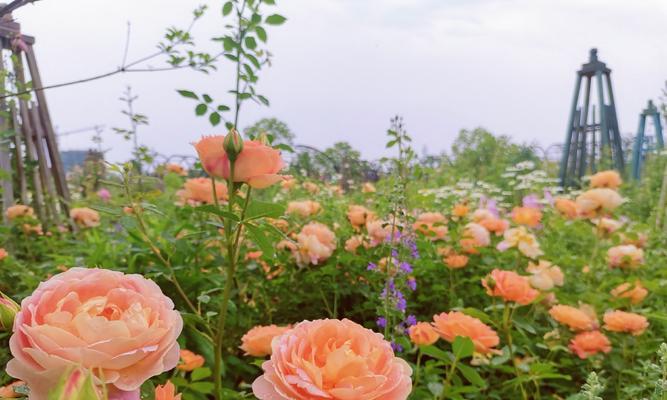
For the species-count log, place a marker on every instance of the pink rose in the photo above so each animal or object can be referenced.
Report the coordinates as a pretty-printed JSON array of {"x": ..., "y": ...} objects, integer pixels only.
[
  {"x": 119, "y": 326},
  {"x": 333, "y": 359}
]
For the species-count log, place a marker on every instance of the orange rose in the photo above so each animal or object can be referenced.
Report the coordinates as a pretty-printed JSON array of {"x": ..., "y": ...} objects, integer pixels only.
[
  {"x": 586, "y": 344},
  {"x": 166, "y": 392},
  {"x": 621, "y": 321},
  {"x": 568, "y": 208},
  {"x": 19, "y": 211},
  {"x": 495, "y": 225},
  {"x": 358, "y": 215},
  {"x": 431, "y": 224},
  {"x": 257, "y": 341},
  {"x": 257, "y": 164},
  {"x": 423, "y": 334},
  {"x": 453, "y": 324},
  {"x": 509, "y": 286},
  {"x": 606, "y": 179},
  {"x": 576, "y": 319},
  {"x": 460, "y": 210},
  {"x": 200, "y": 191},
  {"x": 527, "y": 216},
  {"x": 367, "y": 187},
  {"x": 311, "y": 187},
  {"x": 175, "y": 169},
  {"x": 635, "y": 293},
  {"x": 481, "y": 214},
  {"x": 85, "y": 217},
  {"x": 304, "y": 208},
  {"x": 597, "y": 201},
  {"x": 190, "y": 361},
  {"x": 625, "y": 256},
  {"x": 456, "y": 261},
  {"x": 333, "y": 359},
  {"x": 545, "y": 275}
]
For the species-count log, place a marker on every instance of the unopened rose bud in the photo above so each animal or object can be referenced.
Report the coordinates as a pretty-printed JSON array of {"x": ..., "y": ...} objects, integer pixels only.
[
  {"x": 233, "y": 144},
  {"x": 263, "y": 138},
  {"x": 8, "y": 310},
  {"x": 76, "y": 384}
]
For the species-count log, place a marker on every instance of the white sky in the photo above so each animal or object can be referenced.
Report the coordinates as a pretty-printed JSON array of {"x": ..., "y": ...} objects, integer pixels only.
[{"x": 342, "y": 68}]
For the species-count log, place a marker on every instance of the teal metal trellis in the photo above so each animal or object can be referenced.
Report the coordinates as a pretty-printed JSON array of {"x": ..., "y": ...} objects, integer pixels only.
[
  {"x": 643, "y": 143},
  {"x": 590, "y": 144}
]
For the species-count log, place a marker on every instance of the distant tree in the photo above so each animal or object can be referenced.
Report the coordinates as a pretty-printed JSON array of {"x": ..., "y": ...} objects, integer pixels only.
[
  {"x": 274, "y": 127},
  {"x": 480, "y": 155}
]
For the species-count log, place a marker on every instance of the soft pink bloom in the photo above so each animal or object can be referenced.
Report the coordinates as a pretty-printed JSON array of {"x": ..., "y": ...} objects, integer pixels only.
[
  {"x": 478, "y": 234},
  {"x": 625, "y": 256},
  {"x": 333, "y": 359},
  {"x": 315, "y": 243},
  {"x": 97, "y": 319},
  {"x": 104, "y": 194}
]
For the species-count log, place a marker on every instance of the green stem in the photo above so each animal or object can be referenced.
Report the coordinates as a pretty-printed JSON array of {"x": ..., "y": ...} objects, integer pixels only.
[
  {"x": 417, "y": 369},
  {"x": 507, "y": 324},
  {"x": 448, "y": 378}
]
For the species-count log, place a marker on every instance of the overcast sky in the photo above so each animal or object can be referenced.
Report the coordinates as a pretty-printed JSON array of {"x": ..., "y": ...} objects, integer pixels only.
[{"x": 342, "y": 68}]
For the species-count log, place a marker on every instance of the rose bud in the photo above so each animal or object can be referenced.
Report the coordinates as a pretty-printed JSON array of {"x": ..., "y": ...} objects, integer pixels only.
[
  {"x": 233, "y": 144},
  {"x": 8, "y": 310}
]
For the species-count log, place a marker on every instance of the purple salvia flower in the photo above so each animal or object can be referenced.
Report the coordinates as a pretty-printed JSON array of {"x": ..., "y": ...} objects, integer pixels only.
[
  {"x": 372, "y": 267},
  {"x": 412, "y": 284},
  {"x": 411, "y": 320},
  {"x": 405, "y": 267},
  {"x": 382, "y": 322}
]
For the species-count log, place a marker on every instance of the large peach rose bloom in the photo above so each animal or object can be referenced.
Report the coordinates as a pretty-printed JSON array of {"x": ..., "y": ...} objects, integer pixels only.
[
  {"x": 358, "y": 215},
  {"x": 622, "y": 321},
  {"x": 85, "y": 217},
  {"x": 18, "y": 211},
  {"x": 257, "y": 341},
  {"x": 586, "y": 344},
  {"x": 598, "y": 201},
  {"x": 509, "y": 286},
  {"x": 315, "y": 243},
  {"x": 120, "y": 326},
  {"x": 625, "y": 256},
  {"x": 568, "y": 208},
  {"x": 257, "y": 164},
  {"x": 333, "y": 359},
  {"x": 453, "y": 324},
  {"x": 606, "y": 179},
  {"x": 577, "y": 319}
]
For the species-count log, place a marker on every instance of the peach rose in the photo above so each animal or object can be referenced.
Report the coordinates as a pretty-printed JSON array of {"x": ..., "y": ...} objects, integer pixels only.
[
  {"x": 315, "y": 243},
  {"x": 423, "y": 334},
  {"x": 509, "y": 286},
  {"x": 200, "y": 191},
  {"x": 478, "y": 234},
  {"x": 625, "y": 256},
  {"x": 358, "y": 215},
  {"x": 175, "y": 169},
  {"x": 368, "y": 187},
  {"x": 288, "y": 183},
  {"x": 606, "y": 179},
  {"x": 568, "y": 208},
  {"x": 524, "y": 241},
  {"x": 453, "y": 324},
  {"x": 304, "y": 208},
  {"x": 622, "y": 321},
  {"x": 586, "y": 344},
  {"x": 85, "y": 217},
  {"x": 596, "y": 201},
  {"x": 460, "y": 210},
  {"x": 19, "y": 211},
  {"x": 495, "y": 225},
  {"x": 3, "y": 253},
  {"x": 379, "y": 231},
  {"x": 431, "y": 224},
  {"x": 481, "y": 214},
  {"x": 166, "y": 392},
  {"x": 353, "y": 243},
  {"x": 7, "y": 392},
  {"x": 311, "y": 187},
  {"x": 577, "y": 319},
  {"x": 545, "y": 275},
  {"x": 121, "y": 326},
  {"x": 333, "y": 359},
  {"x": 456, "y": 261},
  {"x": 190, "y": 361},
  {"x": 257, "y": 341},
  {"x": 528, "y": 216},
  {"x": 636, "y": 292},
  {"x": 606, "y": 225},
  {"x": 257, "y": 164}
]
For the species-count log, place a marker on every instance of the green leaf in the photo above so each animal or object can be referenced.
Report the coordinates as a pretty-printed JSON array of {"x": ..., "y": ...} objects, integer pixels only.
[
  {"x": 471, "y": 375},
  {"x": 261, "y": 33},
  {"x": 259, "y": 209},
  {"x": 207, "y": 98},
  {"x": 436, "y": 353},
  {"x": 214, "y": 118},
  {"x": 269, "y": 2},
  {"x": 463, "y": 347},
  {"x": 200, "y": 373},
  {"x": 250, "y": 42},
  {"x": 188, "y": 94},
  {"x": 260, "y": 239},
  {"x": 201, "y": 109},
  {"x": 212, "y": 209},
  {"x": 227, "y": 8},
  {"x": 222, "y": 108},
  {"x": 202, "y": 387},
  {"x": 275, "y": 19}
]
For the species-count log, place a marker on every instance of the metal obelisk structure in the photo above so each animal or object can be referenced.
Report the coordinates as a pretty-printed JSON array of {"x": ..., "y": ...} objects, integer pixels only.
[
  {"x": 643, "y": 143},
  {"x": 591, "y": 145}
]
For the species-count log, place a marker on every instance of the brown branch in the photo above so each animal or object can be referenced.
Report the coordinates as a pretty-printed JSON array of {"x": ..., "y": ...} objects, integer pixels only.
[{"x": 14, "y": 5}]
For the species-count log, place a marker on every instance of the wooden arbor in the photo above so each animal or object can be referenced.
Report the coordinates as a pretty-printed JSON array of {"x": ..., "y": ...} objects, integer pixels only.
[
  {"x": 591, "y": 143},
  {"x": 34, "y": 173}
]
